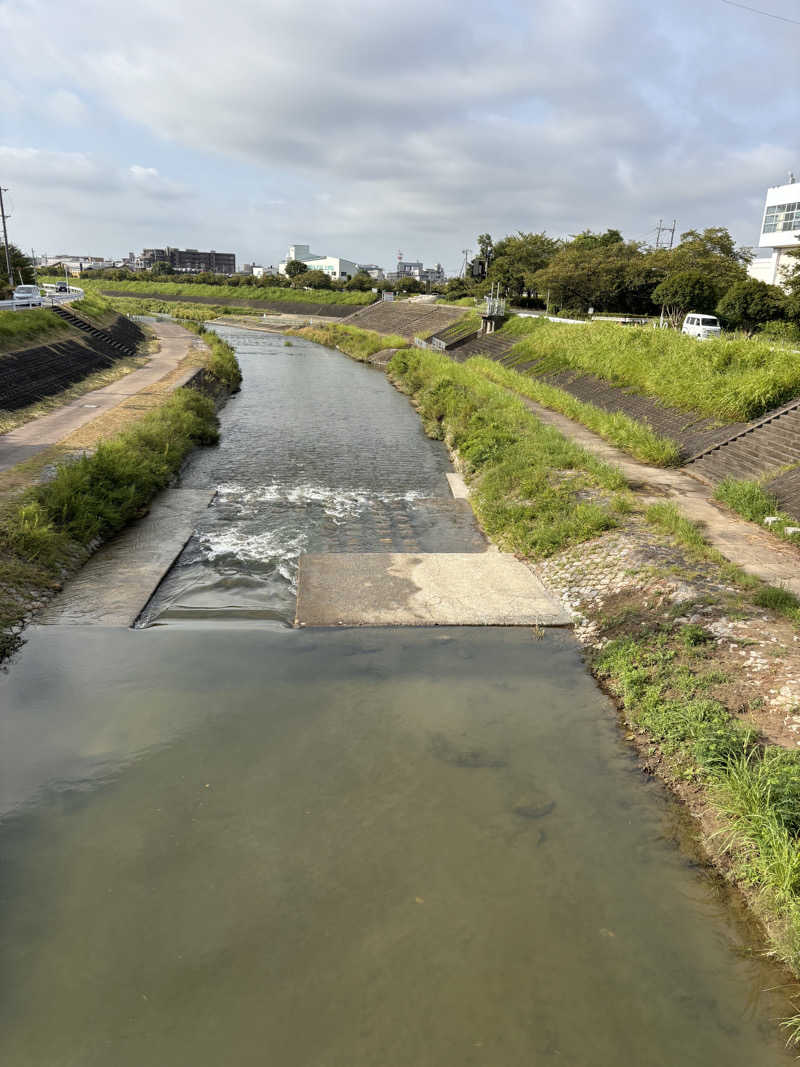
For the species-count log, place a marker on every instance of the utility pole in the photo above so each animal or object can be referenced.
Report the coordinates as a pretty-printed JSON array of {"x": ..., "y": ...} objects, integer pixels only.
[
  {"x": 5, "y": 238},
  {"x": 665, "y": 230},
  {"x": 463, "y": 271}
]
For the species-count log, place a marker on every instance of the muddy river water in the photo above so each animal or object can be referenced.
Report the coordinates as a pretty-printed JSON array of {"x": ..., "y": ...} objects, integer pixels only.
[{"x": 225, "y": 841}]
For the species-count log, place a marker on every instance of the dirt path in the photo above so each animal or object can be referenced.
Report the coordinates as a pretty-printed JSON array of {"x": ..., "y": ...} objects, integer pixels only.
[
  {"x": 743, "y": 543},
  {"x": 175, "y": 344}
]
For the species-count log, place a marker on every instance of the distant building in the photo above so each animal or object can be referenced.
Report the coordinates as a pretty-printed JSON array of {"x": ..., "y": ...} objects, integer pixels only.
[
  {"x": 190, "y": 260},
  {"x": 414, "y": 269},
  {"x": 75, "y": 264},
  {"x": 372, "y": 269},
  {"x": 257, "y": 270},
  {"x": 780, "y": 232},
  {"x": 335, "y": 266}
]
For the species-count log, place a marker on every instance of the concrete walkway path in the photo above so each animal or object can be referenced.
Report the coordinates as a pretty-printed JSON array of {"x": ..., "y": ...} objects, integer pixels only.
[
  {"x": 744, "y": 543},
  {"x": 48, "y": 430}
]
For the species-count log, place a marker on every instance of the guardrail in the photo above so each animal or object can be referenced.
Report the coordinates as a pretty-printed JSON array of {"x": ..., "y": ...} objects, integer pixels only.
[{"x": 49, "y": 298}]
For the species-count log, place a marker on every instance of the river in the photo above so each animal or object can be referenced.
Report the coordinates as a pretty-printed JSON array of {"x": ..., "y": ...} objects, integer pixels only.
[{"x": 228, "y": 841}]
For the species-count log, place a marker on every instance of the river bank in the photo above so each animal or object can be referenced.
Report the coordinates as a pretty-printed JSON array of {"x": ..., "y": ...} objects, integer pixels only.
[
  {"x": 702, "y": 658},
  {"x": 331, "y": 843},
  {"x": 91, "y": 478}
]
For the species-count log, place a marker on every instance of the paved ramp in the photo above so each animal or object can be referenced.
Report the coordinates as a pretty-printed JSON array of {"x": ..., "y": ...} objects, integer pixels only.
[
  {"x": 422, "y": 589},
  {"x": 116, "y": 584}
]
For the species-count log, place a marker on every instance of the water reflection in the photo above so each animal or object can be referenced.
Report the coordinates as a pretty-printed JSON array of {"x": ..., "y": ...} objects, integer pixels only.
[{"x": 350, "y": 847}]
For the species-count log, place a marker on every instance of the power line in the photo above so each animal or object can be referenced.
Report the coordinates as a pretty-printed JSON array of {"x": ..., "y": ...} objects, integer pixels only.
[{"x": 758, "y": 11}]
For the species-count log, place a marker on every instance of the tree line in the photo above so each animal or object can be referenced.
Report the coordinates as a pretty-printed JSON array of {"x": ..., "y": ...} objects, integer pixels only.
[{"x": 704, "y": 272}]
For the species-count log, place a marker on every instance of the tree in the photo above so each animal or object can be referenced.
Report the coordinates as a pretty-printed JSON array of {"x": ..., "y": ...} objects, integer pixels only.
[
  {"x": 315, "y": 279},
  {"x": 409, "y": 285},
  {"x": 517, "y": 258},
  {"x": 791, "y": 276},
  {"x": 22, "y": 269},
  {"x": 599, "y": 271},
  {"x": 295, "y": 267},
  {"x": 750, "y": 304},
  {"x": 713, "y": 252},
  {"x": 360, "y": 282},
  {"x": 160, "y": 267},
  {"x": 686, "y": 290},
  {"x": 588, "y": 239}
]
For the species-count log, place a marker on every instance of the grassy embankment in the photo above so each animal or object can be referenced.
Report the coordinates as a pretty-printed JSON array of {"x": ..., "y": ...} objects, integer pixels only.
[
  {"x": 752, "y": 502},
  {"x": 19, "y": 329},
  {"x": 40, "y": 327},
  {"x": 529, "y": 482},
  {"x": 352, "y": 340},
  {"x": 536, "y": 493},
  {"x": 621, "y": 430},
  {"x": 49, "y": 529},
  {"x": 174, "y": 291},
  {"x": 670, "y": 682},
  {"x": 731, "y": 380}
]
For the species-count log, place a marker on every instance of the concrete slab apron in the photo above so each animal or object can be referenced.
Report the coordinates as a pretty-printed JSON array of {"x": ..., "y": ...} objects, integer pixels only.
[
  {"x": 743, "y": 543},
  {"x": 116, "y": 584},
  {"x": 422, "y": 589}
]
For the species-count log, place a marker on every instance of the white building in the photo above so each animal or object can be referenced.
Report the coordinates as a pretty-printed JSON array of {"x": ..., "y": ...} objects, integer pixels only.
[
  {"x": 75, "y": 264},
  {"x": 372, "y": 269},
  {"x": 780, "y": 231},
  {"x": 257, "y": 270},
  {"x": 335, "y": 266},
  {"x": 415, "y": 269}
]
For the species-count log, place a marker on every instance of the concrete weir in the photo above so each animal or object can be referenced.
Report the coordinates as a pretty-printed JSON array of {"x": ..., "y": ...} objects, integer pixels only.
[
  {"x": 422, "y": 589},
  {"x": 116, "y": 584}
]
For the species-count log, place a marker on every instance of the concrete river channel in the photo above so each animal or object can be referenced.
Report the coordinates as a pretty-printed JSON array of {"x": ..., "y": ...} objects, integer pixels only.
[{"x": 228, "y": 841}]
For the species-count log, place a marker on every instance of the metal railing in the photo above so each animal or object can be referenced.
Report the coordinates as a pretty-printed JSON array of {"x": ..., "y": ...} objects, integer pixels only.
[{"x": 49, "y": 297}]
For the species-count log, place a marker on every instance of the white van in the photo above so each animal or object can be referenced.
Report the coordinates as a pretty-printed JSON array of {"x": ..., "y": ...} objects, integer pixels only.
[
  {"x": 29, "y": 296},
  {"x": 701, "y": 326}
]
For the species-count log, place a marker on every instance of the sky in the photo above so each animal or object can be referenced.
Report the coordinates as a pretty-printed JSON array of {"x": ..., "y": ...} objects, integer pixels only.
[{"x": 365, "y": 129}]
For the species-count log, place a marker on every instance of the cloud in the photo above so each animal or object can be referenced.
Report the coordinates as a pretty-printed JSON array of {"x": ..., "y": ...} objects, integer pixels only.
[
  {"x": 152, "y": 184},
  {"x": 73, "y": 198},
  {"x": 433, "y": 122},
  {"x": 66, "y": 107}
]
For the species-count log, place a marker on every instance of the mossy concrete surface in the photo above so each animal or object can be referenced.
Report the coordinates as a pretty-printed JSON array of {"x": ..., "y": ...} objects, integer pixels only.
[{"x": 423, "y": 589}]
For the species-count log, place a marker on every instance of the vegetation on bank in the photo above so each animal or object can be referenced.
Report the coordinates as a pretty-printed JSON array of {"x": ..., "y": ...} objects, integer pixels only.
[
  {"x": 750, "y": 500},
  {"x": 176, "y": 290},
  {"x": 352, "y": 340},
  {"x": 222, "y": 367},
  {"x": 670, "y": 684},
  {"x": 94, "y": 306},
  {"x": 528, "y": 483},
  {"x": 178, "y": 310},
  {"x": 626, "y": 433},
  {"x": 34, "y": 326},
  {"x": 733, "y": 380},
  {"x": 50, "y": 526}
]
